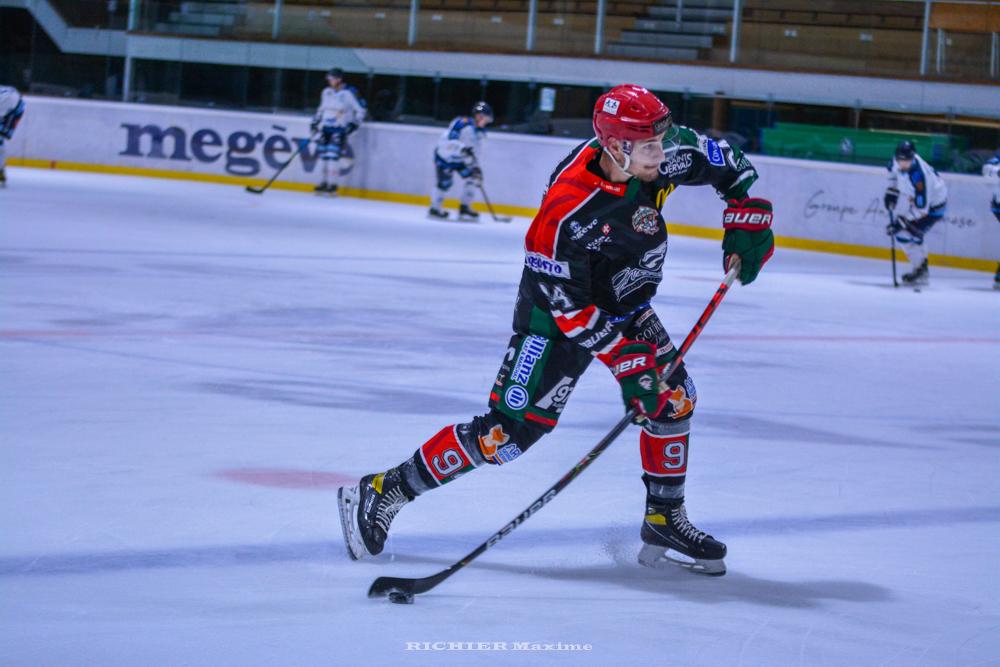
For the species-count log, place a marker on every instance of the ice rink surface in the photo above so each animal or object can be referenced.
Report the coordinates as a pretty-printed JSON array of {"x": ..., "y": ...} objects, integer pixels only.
[{"x": 188, "y": 372}]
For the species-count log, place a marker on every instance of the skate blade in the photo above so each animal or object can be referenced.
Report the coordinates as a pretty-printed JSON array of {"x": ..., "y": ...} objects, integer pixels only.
[
  {"x": 660, "y": 558},
  {"x": 347, "y": 503}
]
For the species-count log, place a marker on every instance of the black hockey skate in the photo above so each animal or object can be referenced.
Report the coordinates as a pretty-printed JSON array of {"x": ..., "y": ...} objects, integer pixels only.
[
  {"x": 437, "y": 214},
  {"x": 467, "y": 214},
  {"x": 918, "y": 276},
  {"x": 669, "y": 538},
  {"x": 367, "y": 510},
  {"x": 3, "y": 178}
]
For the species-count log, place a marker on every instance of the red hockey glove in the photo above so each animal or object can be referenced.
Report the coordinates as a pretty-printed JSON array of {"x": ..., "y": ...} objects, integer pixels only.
[
  {"x": 633, "y": 363},
  {"x": 748, "y": 234}
]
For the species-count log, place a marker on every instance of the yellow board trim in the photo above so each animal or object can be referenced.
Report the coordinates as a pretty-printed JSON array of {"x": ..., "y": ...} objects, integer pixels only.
[
  {"x": 793, "y": 242},
  {"x": 834, "y": 248}
]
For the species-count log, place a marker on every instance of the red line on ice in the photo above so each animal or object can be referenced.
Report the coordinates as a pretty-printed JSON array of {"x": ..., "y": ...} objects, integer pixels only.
[{"x": 284, "y": 478}]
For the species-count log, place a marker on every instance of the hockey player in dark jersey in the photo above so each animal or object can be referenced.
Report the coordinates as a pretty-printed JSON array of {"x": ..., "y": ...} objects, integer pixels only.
[{"x": 593, "y": 260}]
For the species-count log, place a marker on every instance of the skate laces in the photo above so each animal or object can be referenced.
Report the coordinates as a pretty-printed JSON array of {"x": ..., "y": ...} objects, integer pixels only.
[
  {"x": 680, "y": 521},
  {"x": 389, "y": 507}
]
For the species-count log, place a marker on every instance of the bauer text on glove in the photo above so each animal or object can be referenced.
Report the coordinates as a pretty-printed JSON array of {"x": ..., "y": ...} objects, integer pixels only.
[
  {"x": 633, "y": 363},
  {"x": 747, "y": 224}
]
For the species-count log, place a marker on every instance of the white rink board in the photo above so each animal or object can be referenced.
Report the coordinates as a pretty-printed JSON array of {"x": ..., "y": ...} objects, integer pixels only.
[{"x": 813, "y": 200}]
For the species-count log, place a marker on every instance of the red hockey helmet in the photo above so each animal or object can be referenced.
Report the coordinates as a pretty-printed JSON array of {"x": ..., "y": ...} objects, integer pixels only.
[{"x": 629, "y": 113}]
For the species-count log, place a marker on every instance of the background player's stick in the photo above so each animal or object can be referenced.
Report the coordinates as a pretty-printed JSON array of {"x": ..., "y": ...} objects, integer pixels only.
[
  {"x": 486, "y": 199},
  {"x": 496, "y": 218},
  {"x": 892, "y": 243},
  {"x": 402, "y": 590},
  {"x": 302, "y": 144}
]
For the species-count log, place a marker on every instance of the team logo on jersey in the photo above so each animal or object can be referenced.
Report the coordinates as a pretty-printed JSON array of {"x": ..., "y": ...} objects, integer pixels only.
[
  {"x": 489, "y": 443},
  {"x": 676, "y": 164},
  {"x": 531, "y": 352},
  {"x": 714, "y": 153},
  {"x": 541, "y": 264},
  {"x": 556, "y": 295},
  {"x": 507, "y": 454},
  {"x": 611, "y": 106},
  {"x": 606, "y": 229},
  {"x": 516, "y": 397},
  {"x": 681, "y": 404},
  {"x": 650, "y": 270},
  {"x": 577, "y": 230},
  {"x": 663, "y": 193},
  {"x": 598, "y": 242},
  {"x": 646, "y": 220}
]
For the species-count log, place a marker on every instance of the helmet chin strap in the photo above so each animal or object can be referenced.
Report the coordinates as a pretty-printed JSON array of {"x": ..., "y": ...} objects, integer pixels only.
[{"x": 628, "y": 158}]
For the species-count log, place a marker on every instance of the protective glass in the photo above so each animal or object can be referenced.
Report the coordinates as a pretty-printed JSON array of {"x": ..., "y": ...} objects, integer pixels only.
[{"x": 671, "y": 139}]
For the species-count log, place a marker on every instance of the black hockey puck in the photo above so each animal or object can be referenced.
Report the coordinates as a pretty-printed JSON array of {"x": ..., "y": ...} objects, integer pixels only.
[{"x": 398, "y": 596}]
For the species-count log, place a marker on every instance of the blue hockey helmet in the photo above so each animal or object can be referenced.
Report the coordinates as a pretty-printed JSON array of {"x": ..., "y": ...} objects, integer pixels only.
[
  {"x": 905, "y": 150},
  {"x": 335, "y": 73},
  {"x": 483, "y": 108}
]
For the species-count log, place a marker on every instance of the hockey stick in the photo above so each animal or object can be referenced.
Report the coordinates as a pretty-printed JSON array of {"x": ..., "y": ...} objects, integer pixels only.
[
  {"x": 486, "y": 199},
  {"x": 401, "y": 589},
  {"x": 302, "y": 144},
  {"x": 892, "y": 243},
  {"x": 496, "y": 218}
]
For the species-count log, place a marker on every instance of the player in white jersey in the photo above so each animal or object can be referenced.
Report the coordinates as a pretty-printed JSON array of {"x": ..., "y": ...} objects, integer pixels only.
[
  {"x": 11, "y": 110},
  {"x": 991, "y": 170},
  {"x": 458, "y": 151},
  {"x": 923, "y": 203},
  {"x": 339, "y": 114}
]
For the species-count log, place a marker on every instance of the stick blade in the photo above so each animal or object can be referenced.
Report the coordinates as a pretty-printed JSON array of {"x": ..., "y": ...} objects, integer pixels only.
[
  {"x": 253, "y": 190},
  {"x": 382, "y": 586}
]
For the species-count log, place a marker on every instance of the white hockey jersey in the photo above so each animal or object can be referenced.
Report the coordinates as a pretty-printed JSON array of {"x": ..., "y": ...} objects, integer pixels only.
[
  {"x": 461, "y": 133},
  {"x": 339, "y": 107},
  {"x": 920, "y": 188},
  {"x": 991, "y": 170},
  {"x": 11, "y": 108}
]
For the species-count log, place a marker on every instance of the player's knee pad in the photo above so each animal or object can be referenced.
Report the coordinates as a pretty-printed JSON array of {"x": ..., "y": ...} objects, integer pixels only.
[
  {"x": 468, "y": 190},
  {"x": 444, "y": 178},
  {"x": 681, "y": 398},
  {"x": 456, "y": 449},
  {"x": 498, "y": 438},
  {"x": 664, "y": 448}
]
